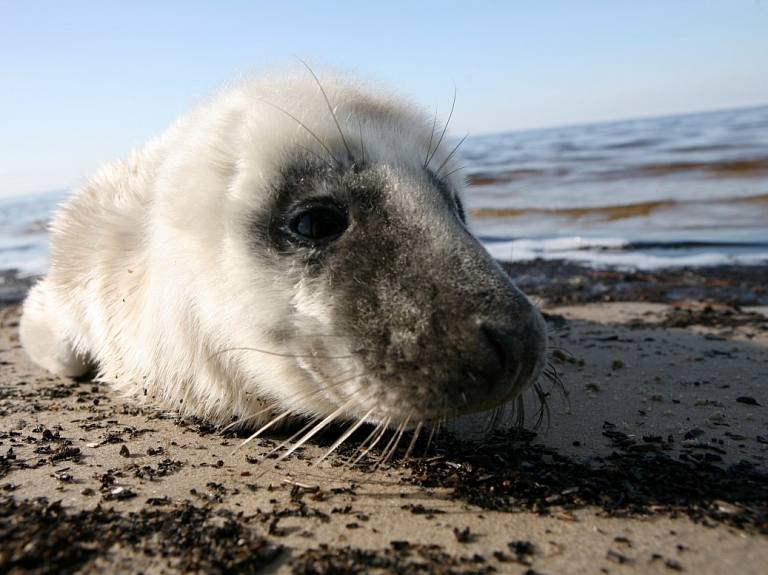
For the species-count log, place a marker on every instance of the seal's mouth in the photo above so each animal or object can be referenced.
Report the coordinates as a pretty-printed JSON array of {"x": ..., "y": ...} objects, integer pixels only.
[
  {"x": 506, "y": 362},
  {"x": 412, "y": 377},
  {"x": 392, "y": 425}
]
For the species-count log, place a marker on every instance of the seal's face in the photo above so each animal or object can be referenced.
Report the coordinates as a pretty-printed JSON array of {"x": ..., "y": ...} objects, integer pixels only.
[
  {"x": 399, "y": 314},
  {"x": 295, "y": 247}
]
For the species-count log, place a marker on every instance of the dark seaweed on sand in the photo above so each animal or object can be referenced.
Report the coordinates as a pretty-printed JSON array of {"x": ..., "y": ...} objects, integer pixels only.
[
  {"x": 40, "y": 536},
  {"x": 566, "y": 283},
  {"x": 402, "y": 558},
  {"x": 635, "y": 480}
]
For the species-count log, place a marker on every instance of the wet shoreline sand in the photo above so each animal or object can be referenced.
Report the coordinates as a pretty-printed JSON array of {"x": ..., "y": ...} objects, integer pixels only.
[{"x": 656, "y": 462}]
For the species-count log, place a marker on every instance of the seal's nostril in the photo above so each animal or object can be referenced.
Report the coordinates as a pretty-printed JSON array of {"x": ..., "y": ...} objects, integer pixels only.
[{"x": 500, "y": 343}]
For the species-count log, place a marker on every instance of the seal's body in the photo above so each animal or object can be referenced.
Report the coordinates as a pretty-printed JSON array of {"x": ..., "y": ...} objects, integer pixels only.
[{"x": 293, "y": 246}]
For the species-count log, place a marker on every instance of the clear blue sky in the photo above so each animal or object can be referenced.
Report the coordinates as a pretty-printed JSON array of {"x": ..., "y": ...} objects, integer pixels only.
[{"x": 81, "y": 82}]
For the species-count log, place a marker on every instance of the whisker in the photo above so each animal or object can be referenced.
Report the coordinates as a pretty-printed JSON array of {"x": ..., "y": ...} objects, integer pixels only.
[
  {"x": 448, "y": 158},
  {"x": 413, "y": 439},
  {"x": 266, "y": 426},
  {"x": 432, "y": 434},
  {"x": 350, "y": 157},
  {"x": 390, "y": 446},
  {"x": 445, "y": 127},
  {"x": 494, "y": 421},
  {"x": 303, "y": 125},
  {"x": 519, "y": 416},
  {"x": 550, "y": 372},
  {"x": 389, "y": 451},
  {"x": 246, "y": 419},
  {"x": 318, "y": 156},
  {"x": 431, "y": 139},
  {"x": 561, "y": 349},
  {"x": 453, "y": 171},
  {"x": 314, "y": 431},
  {"x": 362, "y": 141},
  {"x": 278, "y": 354},
  {"x": 380, "y": 430},
  {"x": 344, "y": 437},
  {"x": 300, "y": 395},
  {"x": 543, "y": 405},
  {"x": 313, "y": 426},
  {"x": 291, "y": 440},
  {"x": 287, "y": 412}
]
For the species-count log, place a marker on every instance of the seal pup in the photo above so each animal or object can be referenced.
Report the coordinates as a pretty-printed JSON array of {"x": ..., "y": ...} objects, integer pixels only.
[{"x": 295, "y": 248}]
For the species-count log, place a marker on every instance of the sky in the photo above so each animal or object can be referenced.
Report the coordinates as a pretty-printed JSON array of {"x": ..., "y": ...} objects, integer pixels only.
[{"x": 82, "y": 82}]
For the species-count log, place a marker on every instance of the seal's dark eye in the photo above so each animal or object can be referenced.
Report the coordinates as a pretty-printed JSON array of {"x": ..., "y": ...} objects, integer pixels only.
[{"x": 318, "y": 223}]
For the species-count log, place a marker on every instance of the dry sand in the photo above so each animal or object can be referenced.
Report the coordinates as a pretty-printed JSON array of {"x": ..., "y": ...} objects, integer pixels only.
[{"x": 656, "y": 463}]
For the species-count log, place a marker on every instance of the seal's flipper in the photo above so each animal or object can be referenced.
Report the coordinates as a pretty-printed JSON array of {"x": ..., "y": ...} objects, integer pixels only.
[{"x": 45, "y": 340}]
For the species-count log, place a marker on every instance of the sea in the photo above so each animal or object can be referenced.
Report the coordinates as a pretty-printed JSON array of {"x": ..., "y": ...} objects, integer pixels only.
[{"x": 647, "y": 194}]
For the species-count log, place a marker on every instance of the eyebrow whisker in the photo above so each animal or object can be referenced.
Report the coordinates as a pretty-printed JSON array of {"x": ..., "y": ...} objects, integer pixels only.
[{"x": 350, "y": 156}]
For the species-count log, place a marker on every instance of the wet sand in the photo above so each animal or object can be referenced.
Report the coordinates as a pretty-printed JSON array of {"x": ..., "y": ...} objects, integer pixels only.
[{"x": 655, "y": 462}]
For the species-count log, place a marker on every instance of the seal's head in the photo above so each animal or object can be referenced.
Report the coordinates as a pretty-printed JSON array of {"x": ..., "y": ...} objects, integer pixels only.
[
  {"x": 295, "y": 247},
  {"x": 394, "y": 312}
]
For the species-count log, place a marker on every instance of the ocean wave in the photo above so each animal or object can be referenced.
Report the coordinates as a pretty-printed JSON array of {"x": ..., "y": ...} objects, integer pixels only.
[
  {"x": 612, "y": 212},
  {"x": 596, "y": 170},
  {"x": 608, "y": 212},
  {"x": 621, "y": 253}
]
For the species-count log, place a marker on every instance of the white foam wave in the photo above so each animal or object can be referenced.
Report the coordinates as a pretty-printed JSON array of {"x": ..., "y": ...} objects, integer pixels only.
[{"x": 612, "y": 253}]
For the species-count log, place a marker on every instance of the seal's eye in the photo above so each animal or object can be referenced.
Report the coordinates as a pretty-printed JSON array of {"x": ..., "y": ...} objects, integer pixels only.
[{"x": 317, "y": 224}]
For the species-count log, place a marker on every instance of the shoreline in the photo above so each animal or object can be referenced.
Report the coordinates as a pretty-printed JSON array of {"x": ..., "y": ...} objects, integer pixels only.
[
  {"x": 564, "y": 282},
  {"x": 656, "y": 462}
]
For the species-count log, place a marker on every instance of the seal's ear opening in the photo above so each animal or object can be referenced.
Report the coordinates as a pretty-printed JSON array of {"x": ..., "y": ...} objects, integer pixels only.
[
  {"x": 450, "y": 196},
  {"x": 460, "y": 209}
]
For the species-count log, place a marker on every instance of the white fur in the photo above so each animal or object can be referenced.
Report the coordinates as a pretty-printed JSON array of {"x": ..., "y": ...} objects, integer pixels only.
[{"x": 151, "y": 274}]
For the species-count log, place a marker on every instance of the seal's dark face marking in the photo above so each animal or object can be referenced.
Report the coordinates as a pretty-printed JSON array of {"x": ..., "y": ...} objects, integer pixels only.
[
  {"x": 311, "y": 209},
  {"x": 430, "y": 322}
]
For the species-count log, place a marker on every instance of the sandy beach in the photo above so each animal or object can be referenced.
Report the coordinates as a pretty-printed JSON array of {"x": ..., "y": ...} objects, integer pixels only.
[{"x": 656, "y": 461}]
